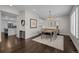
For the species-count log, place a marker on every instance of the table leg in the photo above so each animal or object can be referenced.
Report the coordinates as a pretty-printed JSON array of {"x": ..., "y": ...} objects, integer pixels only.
[
  {"x": 50, "y": 36},
  {"x": 41, "y": 35},
  {"x": 55, "y": 35}
]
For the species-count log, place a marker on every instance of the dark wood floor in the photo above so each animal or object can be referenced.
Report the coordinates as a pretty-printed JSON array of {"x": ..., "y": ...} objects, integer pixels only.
[{"x": 15, "y": 45}]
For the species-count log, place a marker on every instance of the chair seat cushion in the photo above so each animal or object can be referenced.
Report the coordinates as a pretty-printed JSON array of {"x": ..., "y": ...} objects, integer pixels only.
[{"x": 47, "y": 33}]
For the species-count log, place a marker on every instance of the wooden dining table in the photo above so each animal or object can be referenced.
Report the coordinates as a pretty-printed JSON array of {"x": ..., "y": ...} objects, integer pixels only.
[{"x": 49, "y": 30}]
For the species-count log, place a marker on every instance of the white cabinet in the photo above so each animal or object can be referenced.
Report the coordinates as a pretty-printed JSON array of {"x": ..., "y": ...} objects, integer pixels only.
[{"x": 11, "y": 31}]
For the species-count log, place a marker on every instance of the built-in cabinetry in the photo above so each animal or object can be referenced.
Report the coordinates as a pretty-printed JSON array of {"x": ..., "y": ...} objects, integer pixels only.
[
  {"x": 22, "y": 34},
  {"x": 6, "y": 33}
]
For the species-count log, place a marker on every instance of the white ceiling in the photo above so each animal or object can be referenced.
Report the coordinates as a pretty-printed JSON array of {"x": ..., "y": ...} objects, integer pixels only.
[
  {"x": 42, "y": 10},
  {"x": 8, "y": 14}
]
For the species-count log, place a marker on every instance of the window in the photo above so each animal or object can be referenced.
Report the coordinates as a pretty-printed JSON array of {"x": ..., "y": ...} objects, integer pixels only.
[{"x": 74, "y": 23}]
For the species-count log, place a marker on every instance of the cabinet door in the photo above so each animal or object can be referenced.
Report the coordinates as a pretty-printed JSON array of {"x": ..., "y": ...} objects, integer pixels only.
[{"x": 22, "y": 34}]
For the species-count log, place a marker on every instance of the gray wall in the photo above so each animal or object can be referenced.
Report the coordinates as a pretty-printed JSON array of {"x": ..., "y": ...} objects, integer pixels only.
[{"x": 0, "y": 26}]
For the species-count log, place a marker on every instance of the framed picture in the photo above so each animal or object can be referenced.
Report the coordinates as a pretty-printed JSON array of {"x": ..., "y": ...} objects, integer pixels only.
[{"x": 33, "y": 23}]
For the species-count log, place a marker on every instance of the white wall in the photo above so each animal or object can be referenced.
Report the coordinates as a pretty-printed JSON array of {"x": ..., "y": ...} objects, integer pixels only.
[
  {"x": 29, "y": 32},
  {"x": 0, "y": 26},
  {"x": 64, "y": 24},
  {"x": 78, "y": 23},
  {"x": 32, "y": 31},
  {"x": 20, "y": 17}
]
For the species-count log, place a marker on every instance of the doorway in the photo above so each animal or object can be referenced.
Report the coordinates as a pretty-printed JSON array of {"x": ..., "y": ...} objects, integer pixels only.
[{"x": 8, "y": 25}]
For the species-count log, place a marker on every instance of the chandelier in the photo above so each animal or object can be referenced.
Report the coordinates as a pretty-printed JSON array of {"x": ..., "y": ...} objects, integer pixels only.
[{"x": 50, "y": 17}]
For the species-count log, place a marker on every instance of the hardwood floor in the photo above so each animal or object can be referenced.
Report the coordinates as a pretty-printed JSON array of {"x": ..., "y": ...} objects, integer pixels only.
[{"x": 15, "y": 45}]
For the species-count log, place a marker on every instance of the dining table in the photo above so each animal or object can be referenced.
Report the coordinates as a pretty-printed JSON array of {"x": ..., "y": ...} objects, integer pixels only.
[{"x": 50, "y": 31}]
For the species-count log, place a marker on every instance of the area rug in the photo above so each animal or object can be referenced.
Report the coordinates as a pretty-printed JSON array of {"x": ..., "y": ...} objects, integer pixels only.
[{"x": 57, "y": 43}]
